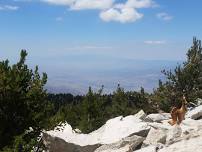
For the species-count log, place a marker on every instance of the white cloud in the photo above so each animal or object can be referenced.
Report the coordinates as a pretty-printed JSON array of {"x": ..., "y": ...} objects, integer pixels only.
[
  {"x": 111, "y": 10},
  {"x": 139, "y": 3},
  {"x": 8, "y": 7},
  {"x": 83, "y": 4},
  {"x": 164, "y": 16},
  {"x": 60, "y": 2},
  {"x": 126, "y": 12},
  {"x": 92, "y": 4},
  {"x": 123, "y": 15},
  {"x": 155, "y": 42}
]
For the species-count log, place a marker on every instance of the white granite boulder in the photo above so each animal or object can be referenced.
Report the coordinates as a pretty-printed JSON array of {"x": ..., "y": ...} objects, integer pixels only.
[
  {"x": 195, "y": 113},
  {"x": 155, "y": 136},
  {"x": 173, "y": 134},
  {"x": 186, "y": 145},
  {"x": 199, "y": 101},
  {"x": 141, "y": 115},
  {"x": 151, "y": 148},
  {"x": 125, "y": 145},
  {"x": 112, "y": 131},
  {"x": 151, "y": 133},
  {"x": 158, "y": 117}
]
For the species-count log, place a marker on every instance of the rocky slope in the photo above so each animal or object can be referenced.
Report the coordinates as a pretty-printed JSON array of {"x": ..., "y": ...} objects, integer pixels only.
[{"x": 134, "y": 133}]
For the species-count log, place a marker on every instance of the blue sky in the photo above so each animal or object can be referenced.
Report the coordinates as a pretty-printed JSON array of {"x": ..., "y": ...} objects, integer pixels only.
[
  {"x": 164, "y": 31},
  {"x": 76, "y": 35}
]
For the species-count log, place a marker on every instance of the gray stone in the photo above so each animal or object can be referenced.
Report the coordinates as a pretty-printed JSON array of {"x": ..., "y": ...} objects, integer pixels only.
[
  {"x": 151, "y": 148},
  {"x": 155, "y": 136},
  {"x": 77, "y": 131},
  {"x": 195, "y": 113},
  {"x": 158, "y": 117},
  {"x": 54, "y": 144},
  {"x": 127, "y": 144},
  {"x": 187, "y": 145},
  {"x": 140, "y": 115},
  {"x": 199, "y": 101},
  {"x": 173, "y": 134}
]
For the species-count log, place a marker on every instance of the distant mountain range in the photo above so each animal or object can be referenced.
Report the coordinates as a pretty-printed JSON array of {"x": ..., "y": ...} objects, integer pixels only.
[{"x": 130, "y": 74}]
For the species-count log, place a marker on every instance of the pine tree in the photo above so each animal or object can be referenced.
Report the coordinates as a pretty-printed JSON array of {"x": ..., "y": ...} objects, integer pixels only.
[
  {"x": 119, "y": 102},
  {"x": 185, "y": 79},
  {"x": 92, "y": 114},
  {"x": 22, "y": 99}
]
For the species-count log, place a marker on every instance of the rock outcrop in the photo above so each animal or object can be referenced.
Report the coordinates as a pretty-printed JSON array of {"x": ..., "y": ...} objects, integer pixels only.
[
  {"x": 158, "y": 117},
  {"x": 155, "y": 136},
  {"x": 55, "y": 144},
  {"x": 113, "y": 131},
  {"x": 191, "y": 143},
  {"x": 195, "y": 113},
  {"x": 173, "y": 134},
  {"x": 138, "y": 133},
  {"x": 141, "y": 115},
  {"x": 127, "y": 144}
]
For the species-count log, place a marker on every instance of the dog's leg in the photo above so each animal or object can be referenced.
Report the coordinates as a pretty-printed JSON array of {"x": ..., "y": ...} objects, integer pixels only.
[{"x": 173, "y": 113}]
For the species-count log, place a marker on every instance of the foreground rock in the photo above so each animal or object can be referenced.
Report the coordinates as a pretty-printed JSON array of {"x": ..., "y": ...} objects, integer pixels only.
[
  {"x": 155, "y": 136},
  {"x": 191, "y": 144},
  {"x": 199, "y": 101},
  {"x": 151, "y": 148},
  {"x": 55, "y": 144},
  {"x": 158, "y": 117},
  {"x": 140, "y": 115},
  {"x": 138, "y": 133},
  {"x": 113, "y": 131},
  {"x": 173, "y": 134},
  {"x": 127, "y": 144},
  {"x": 195, "y": 113},
  {"x": 147, "y": 149}
]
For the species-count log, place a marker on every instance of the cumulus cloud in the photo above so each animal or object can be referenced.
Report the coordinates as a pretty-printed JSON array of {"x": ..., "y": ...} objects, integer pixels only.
[
  {"x": 92, "y": 4},
  {"x": 83, "y": 4},
  {"x": 8, "y": 7},
  {"x": 139, "y": 3},
  {"x": 155, "y": 42},
  {"x": 111, "y": 10},
  {"x": 164, "y": 16},
  {"x": 126, "y": 12},
  {"x": 123, "y": 15}
]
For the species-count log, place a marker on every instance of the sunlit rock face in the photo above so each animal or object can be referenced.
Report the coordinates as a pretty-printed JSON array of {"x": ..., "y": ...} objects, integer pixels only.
[
  {"x": 134, "y": 133},
  {"x": 195, "y": 113},
  {"x": 55, "y": 144}
]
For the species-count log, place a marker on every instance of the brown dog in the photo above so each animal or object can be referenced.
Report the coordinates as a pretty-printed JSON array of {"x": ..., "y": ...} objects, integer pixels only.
[{"x": 178, "y": 114}]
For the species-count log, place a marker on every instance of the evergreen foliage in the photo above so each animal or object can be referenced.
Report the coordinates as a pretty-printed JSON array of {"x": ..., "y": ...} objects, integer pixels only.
[
  {"x": 95, "y": 108},
  {"x": 22, "y": 100},
  {"x": 185, "y": 79}
]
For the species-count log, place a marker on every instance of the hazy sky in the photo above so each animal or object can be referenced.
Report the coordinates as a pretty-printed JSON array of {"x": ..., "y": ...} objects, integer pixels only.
[
  {"x": 90, "y": 34},
  {"x": 141, "y": 29}
]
